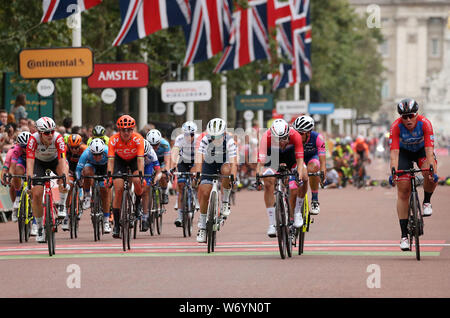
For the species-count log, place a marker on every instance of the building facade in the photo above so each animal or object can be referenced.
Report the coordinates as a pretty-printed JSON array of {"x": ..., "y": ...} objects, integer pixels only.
[{"x": 416, "y": 55}]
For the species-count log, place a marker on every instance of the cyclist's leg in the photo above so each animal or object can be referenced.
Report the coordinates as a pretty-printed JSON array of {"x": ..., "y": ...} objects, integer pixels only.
[
  {"x": 269, "y": 200},
  {"x": 226, "y": 186},
  {"x": 119, "y": 167},
  {"x": 88, "y": 170},
  {"x": 428, "y": 185},
  {"x": 16, "y": 183},
  {"x": 313, "y": 167},
  {"x": 181, "y": 167},
  {"x": 403, "y": 192},
  {"x": 204, "y": 191},
  {"x": 61, "y": 169}
]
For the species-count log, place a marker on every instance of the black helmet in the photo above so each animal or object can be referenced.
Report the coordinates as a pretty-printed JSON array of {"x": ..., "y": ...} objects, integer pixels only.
[
  {"x": 407, "y": 106},
  {"x": 98, "y": 131}
]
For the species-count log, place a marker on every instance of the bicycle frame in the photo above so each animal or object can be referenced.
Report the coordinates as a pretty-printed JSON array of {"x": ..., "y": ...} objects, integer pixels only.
[{"x": 25, "y": 218}]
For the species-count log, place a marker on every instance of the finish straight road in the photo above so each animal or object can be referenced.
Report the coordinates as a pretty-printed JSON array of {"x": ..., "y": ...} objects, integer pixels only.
[{"x": 353, "y": 246}]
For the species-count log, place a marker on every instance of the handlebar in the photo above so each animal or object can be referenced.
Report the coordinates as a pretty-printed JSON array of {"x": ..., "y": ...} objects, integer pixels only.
[{"x": 46, "y": 178}]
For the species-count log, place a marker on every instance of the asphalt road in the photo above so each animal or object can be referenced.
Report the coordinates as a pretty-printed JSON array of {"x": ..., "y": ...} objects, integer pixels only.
[{"x": 351, "y": 251}]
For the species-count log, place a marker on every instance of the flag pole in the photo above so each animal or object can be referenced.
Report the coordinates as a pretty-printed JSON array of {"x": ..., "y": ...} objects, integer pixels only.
[
  {"x": 260, "y": 112},
  {"x": 223, "y": 97},
  {"x": 77, "y": 118},
  {"x": 190, "y": 105},
  {"x": 143, "y": 100}
]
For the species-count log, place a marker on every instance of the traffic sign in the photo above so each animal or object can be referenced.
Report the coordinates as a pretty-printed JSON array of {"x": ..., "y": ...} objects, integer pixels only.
[
  {"x": 119, "y": 75},
  {"x": 248, "y": 115},
  {"x": 45, "y": 87},
  {"x": 321, "y": 108},
  {"x": 292, "y": 107},
  {"x": 363, "y": 121},
  {"x": 254, "y": 102},
  {"x": 342, "y": 113},
  {"x": 109, "y": 96},
  {"x": 56, "y": 63},
  {"x": 179, "y": 108},
  {"x": 190, "y": 91}
]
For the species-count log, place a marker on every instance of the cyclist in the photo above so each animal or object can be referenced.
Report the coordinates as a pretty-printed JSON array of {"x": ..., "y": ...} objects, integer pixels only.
[
  {"x": 162, "y": 149},
  {"x": 411, "y": 140},
  {"x": 7, "y": 169},
  {"x": 184, "y": 148},
  {"x": 46, "y": 150},
  {"x": 216, "y": 154},
  {"x": 279, "y": 145},
  {"x": 314, "y": 157},
  {"x": 75, "y": 148},
  {"x": 360, "y": 150},
  {"x": 98, "y": 132},
  {"x": 18, "y": 167},
  {"x": 151, "y": 164},
  {"x": 125, "y": 151},
  {"x": 94, "y": 161}
]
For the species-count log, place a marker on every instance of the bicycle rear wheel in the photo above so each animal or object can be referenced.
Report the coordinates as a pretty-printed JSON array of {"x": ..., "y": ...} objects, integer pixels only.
[
  {"x": 151, "y": 216},
  {"x": 281, "y": 236},
  {"x": 210, "y": 221},
  {"x": 73, "y": 212},
  {"x": 184, "y": 204},
  {"x": 28, "y": 217},
  {"x": 287, "y": 231}
]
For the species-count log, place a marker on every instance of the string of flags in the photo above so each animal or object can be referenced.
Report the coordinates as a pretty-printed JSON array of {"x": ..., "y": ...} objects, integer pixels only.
[{"x": 211, "y": 27}]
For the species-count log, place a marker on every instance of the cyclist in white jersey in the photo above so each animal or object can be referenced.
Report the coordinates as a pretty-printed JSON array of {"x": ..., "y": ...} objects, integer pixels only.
[
  {"x": 217, "y": 154},
  {"x": 46, "y": 150},
  {"x": 183, "y": 148}
]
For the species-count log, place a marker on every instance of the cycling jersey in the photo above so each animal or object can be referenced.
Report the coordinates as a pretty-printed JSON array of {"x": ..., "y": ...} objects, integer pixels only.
[
  {"x": 13, "y": 154},
  {"x": 314, "y": 146},
  {"x": 421, "y": 136},
  {"x": 104, "y": 138},
  {"x": 266, "y": 147},
  {"x": 220, "y": 153},
  {"x": 187, "y": 148},
  {"x": 87, "y": 159},
  {"x": 129, "y": 150},
  {"x": 162, "y": 150},
  {"x": 151, "y": 163},
  {"x": 37, "y": 150}
]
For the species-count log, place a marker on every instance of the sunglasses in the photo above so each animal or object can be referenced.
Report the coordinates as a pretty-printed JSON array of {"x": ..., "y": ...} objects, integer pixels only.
[
  {"x": 284, "y": 138},
  {"x": 216, "y": 137},
  {"x": 75, "y": 148},
  {"x": 126, "y": 129},
  {"x": 48, "y": 133},
  {"x": 410, "y": 116}
]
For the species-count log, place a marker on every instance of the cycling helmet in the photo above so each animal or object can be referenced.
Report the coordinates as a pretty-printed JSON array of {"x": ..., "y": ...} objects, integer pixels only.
[
  {"x": 98, "y": 131},
  {"x": 97, "y": 146},
  {"x": 304, "y": 124},
  {"x": 359, "y": 140},
  {"x": 45, "y": 124},
  {"x": 153, "y": 137},
  {"x": 338, "y": 141},
  {"x": 74, "y": 140},
  {"x": 147, "y": 146},
  {"x": 347, "y": 140},
  {"x": 23, "y": 137},
  {"x": 407, "y": 106},
  {"x": 280, "y": 128},
  {"x": 216, "y": 127},
  {"x": 189, "y": 127},
  {"x": 126, "y": 121}
]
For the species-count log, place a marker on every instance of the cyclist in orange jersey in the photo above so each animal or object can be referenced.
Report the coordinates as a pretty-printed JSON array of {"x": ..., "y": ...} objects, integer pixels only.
[{"x": 125, "y": 151}]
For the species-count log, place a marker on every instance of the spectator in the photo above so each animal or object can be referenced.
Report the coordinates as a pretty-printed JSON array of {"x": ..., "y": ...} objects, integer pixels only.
[
  {"x": 32, "y": 126},
  {"x": 19, "y": 109},
  {"x": 3, "y": 117},
  {"x": 332, "y": 180},
  {"x": 62, "y": 130},
  {"x": 11, "y": 118},
  {"x": 67, "y": 123}
]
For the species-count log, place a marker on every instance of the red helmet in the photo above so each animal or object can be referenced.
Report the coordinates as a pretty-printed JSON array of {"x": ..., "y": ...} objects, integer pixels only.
[{"x": 126, "y": 121}]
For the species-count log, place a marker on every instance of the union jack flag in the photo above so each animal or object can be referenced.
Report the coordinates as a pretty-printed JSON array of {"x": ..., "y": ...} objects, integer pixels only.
[
  {"x": 249, "y": 39},
  {"x": 141, "y": 18},
  {"x": 61, "y": 9},
  {"x": 209, "y": 31},
  {"x": 294, "y": 38}
]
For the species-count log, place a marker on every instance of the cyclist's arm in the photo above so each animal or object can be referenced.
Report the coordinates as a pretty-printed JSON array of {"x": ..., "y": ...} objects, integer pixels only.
[
  {"x": 31, "y": 151},
  {"x": 174, "y": 154},
  {"x": 141, "y": 164},
  {"x": 81, "y": 163},
  {"x": 167, "y": 161},
  {"x": 428, "y": 137},
  {"x": 111, "y": 154}
]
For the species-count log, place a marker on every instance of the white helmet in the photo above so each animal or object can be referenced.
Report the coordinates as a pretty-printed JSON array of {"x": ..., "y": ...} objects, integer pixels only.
[
  {"x": 189, "y": 127},
  {"x": 280, "y": 128},
  {"x": 147, "y": 146},
  {"x": 45, "y": 124},
  {"x": 97, "y": 146},
  {"x": 153, "y": 137},
  {"x": 23, "y": 137},
  {"x": 304, "y": 124},
  {"x": 216, "y": 127}
]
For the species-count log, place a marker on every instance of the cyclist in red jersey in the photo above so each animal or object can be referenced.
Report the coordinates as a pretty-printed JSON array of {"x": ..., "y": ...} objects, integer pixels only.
[
  {"x": 412, "y": 140},
  {"x": 125, "y": 151},
  {"x": 46, "y": 150},
  {"x": 279, "y": 145}
]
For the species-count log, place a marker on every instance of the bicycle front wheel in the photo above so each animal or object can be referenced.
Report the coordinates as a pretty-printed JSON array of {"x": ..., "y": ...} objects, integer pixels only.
[
  {"x": 281, "y": 235},
  {"x": 415, "y": 228},
  {"x": 159, "y": 214},
  {"x": 73, "y": 212},
  {"x": 49, "y": 233},
  {"x": 124, "y": 220},
  {"x": 210, "y": 221},
  {"x": 21, "y": 222}
]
